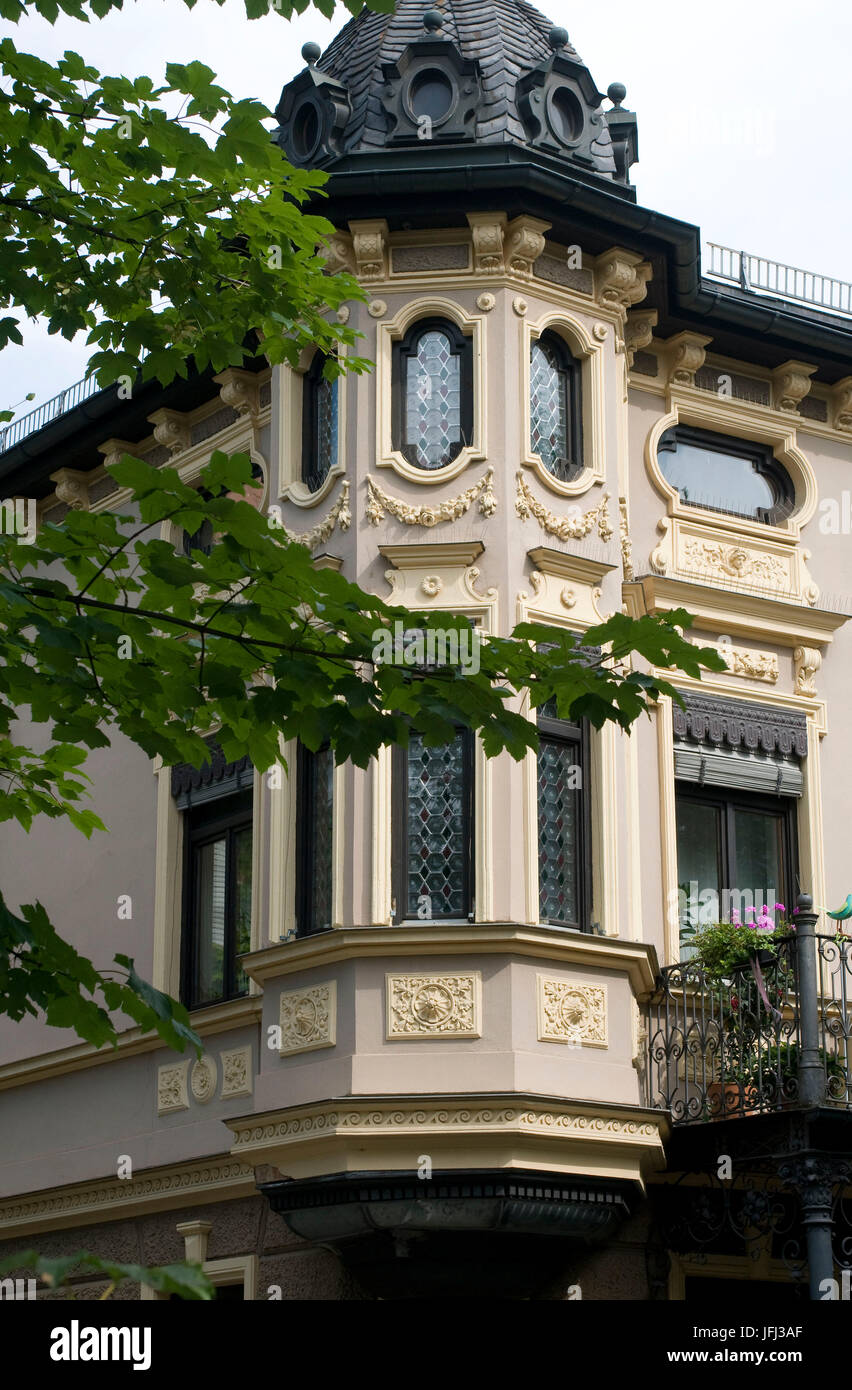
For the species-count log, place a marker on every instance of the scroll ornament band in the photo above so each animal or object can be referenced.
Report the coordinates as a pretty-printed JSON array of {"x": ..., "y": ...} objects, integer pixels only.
[
  {"x": 380, "y": 502},
  {"x": 573, "y": 527}
]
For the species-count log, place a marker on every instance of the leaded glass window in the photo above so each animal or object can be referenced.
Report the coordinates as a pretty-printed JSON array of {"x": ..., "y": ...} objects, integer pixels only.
[
  {"x": 432, "y": 396},
  {"x": 218, "y": 899},
  {"x": 319, "y": 424},
  {"x": 563, "y": 821},
  {"x": 434, "y": 819},
  {"x": 555, "y": 422},
  {"x": 315, "y": 850}
]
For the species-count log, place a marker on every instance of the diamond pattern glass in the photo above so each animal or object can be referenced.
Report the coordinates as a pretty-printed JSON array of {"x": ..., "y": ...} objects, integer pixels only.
[
  {"x": 558, "y": 839},
  {"x": 437, "y": 830},
  {"x": 433, "y": 401},
  {"x": 549, "y": 410},
  {"x": 322, "y": 809}
]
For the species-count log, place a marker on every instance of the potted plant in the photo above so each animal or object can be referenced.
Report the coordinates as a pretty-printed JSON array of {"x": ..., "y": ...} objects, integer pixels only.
[{"x": 721, "y": 948}]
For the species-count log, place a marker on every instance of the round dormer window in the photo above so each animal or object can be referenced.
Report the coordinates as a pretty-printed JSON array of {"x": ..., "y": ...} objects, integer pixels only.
[
  {"x": 431, "y": 93},
  {"x": 305, "y": 130},
  {"x": 566, "y": 115}
]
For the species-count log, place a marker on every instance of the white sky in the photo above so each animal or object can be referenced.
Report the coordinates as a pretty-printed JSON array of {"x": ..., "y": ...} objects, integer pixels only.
[{"x": 742, "y": 110}]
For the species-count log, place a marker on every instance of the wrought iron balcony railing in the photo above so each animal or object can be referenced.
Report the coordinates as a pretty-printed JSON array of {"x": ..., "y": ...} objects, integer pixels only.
[{"x": 772, "y": 1036}]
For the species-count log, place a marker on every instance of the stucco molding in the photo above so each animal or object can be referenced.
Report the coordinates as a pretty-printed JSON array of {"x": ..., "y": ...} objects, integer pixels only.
[
  {"x": 308, "y": 1018},
  {"x": 738, "y": 612},
  {"x": 380, "y": 502},
  {"x": 745, "y": 661},
  {"x": 237, "y": 1079},
  {"x": 172, "y": 1087},
  {"x": 807, "y": 661},
  {"x": 572, "y": 526},
  {"x": 338, "y": 517}
]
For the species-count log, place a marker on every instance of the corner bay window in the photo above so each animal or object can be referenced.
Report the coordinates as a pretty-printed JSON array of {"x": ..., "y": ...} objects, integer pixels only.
[
  {"x": 432, "y": 393},
  {"x": 564, "y": 878},
  {"x": 433, "y": 830}
]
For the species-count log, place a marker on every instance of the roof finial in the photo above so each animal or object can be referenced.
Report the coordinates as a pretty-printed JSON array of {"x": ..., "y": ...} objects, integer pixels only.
[
  {"x": 616, "y": 91},
  {"x": 433, "y": 21},
  {"x": 558, "y": 37},
  {"x": 311, "y": 52}
]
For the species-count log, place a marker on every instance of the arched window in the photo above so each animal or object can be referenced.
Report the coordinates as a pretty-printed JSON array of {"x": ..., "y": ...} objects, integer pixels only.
[
  {"x": 556, "y": 426},
  {"x": 319, "y": 424},
  {"x": 723, "y": 474},
  {"x": 432, "y": 393}
]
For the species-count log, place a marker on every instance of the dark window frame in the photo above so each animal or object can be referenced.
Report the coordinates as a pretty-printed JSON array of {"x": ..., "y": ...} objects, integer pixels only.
[
  {"x": 727, "y": 801},
  {"x": 404, "y": 351},
  {"x": 399, "y": 834},
  {"x": 763, "y": 462},
  {"x": 309, "y": 473},
  {"x": 306, "y": 770},
  {"x": 576, "y": 734},
  {"x": 572, "y": 368},
  {"x": 220, "y": 818}
]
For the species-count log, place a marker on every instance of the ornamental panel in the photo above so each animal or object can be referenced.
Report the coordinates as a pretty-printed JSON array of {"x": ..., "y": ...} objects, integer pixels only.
[
  {"x": 572, "y": 1013},
  {"x": 308, "y": 1018},
  {"x": 434, "y": 1006}
]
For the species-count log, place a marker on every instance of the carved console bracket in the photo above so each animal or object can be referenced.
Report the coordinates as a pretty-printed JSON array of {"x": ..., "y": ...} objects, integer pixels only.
[
  {"x": 791, "y": 382},
  {"x": 171, "y": 430},
  {"x": 621, "y": 280},
  {"x": 684, "y": 356},
  {"x": 370, "y": 248}
]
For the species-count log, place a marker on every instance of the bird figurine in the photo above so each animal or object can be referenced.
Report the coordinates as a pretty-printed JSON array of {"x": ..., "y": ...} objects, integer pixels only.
[{"x": 844, "y": 912}]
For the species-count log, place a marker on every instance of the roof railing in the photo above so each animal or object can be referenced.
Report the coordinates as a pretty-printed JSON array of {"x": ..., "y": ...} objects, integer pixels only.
[
  {"x": 759, "y": 275},
  {"x": 48, "y": 412}
]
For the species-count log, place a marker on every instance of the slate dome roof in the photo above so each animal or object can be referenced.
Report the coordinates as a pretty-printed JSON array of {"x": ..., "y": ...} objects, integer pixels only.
[{"x": 515, "y": 77}]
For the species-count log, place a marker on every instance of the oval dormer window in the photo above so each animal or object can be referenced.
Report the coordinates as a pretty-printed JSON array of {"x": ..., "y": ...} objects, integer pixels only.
[
  {"x": 555, "y": 407},
  {"x": 305, "y": 130},
  {"x": 432, "y": 393},
  {"x": 722, "y": 474},
  {"x": 566, "y": 115},
  {"x": 430, "y": 94}
]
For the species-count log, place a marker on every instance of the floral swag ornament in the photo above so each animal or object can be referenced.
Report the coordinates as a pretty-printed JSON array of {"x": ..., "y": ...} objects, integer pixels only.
[
  {"x": 567, "y": 528},
  {"x": 380, "y": 502}
]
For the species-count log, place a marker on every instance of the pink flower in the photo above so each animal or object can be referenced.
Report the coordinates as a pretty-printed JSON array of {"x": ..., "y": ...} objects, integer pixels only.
[
  {"x": 749, "y": 911},
  {"x": 779, "y": 907},
  {"x": 735, "y": 918}
]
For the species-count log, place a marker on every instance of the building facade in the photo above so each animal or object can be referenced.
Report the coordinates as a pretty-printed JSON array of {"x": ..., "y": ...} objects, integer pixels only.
[{"x": 449, "y": 1046}]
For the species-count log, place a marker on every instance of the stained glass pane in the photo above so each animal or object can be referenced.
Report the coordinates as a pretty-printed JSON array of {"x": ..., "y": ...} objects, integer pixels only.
[
  {"x": 211, "y": 866},
  {"x": 549, "y": 410},
  {"x": 433, "y": 401},
  {"x": 320, "y": 830},
  {"x": 437, "y": 830},
  {"x": 242, "y": 896},
  {"x": 558, "y": 832},
  {"x": 326, "y": 428}
]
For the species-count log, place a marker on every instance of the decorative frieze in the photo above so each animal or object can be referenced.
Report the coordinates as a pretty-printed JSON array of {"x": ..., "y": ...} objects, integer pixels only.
[
  {"x": 413, "y": 260},
  {"x": 735, "y": 724},
  {"x": 806, "y": 663},
  {"x": 744, "y": 661},
  {"x": 434, "y": 1006},
  {"x": 308, "y": 1018},
  {"x": 791, "y": 382},
  {"x": 380, "y": 502},
  {"x": 571, "y": 1013},
  {"x": 709, "y": 555},
  {"x": 172, "y": 1087},
  {"x": 573, "y": 526}
]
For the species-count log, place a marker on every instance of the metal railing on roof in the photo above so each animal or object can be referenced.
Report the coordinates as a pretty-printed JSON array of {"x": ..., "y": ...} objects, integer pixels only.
[
  {"x": 44, "y": 414},
  {"x": 763, "y": 276}
]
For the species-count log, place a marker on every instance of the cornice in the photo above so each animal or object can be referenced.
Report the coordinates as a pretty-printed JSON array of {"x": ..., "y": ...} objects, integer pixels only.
[
  {"x": 558, "y": 947},
  {"x": 415, "y": 556},
  {"x": 215, "y": 1179},
  {"x": 219, "y": 1018},
  {"x": 563, "y": 565},
  {"x": 732, "y": 611}
]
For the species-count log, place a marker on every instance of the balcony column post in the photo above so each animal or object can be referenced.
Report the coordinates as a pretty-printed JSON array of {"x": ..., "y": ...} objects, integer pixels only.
[
  {"x": 813, "y": 1176},
  {"x": 811, "y": 1070}
]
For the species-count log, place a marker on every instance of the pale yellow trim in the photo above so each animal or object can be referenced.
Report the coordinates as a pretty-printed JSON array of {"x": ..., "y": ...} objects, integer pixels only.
[
  {"x": 590, "y": 352},
  {"x": 338, "y": 821},
  {"x": 503, "y": 1130},
  {"x": 282, "y": 848},
  {"x": 635, "y": 930},
  {"x": 218, "y": 1178},
  {"x": 381, "y": 788},
  {"x": 735, "y": 611},
  {"x": 668, "y": 830},
  {"x": 810, "y": 818},
  {"x": 605, "y": 847},
  {"x": 236, "y": 1269},
  {"x": 390, "y": 331},
  {"x": 636, "y": 959}
]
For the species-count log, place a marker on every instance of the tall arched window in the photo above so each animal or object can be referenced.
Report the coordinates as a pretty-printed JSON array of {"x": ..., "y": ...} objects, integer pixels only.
[
  {"x": 319, "y": 424},
  {"x": 556, "y": 427},
  {"x": 432, "y": 393}
]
